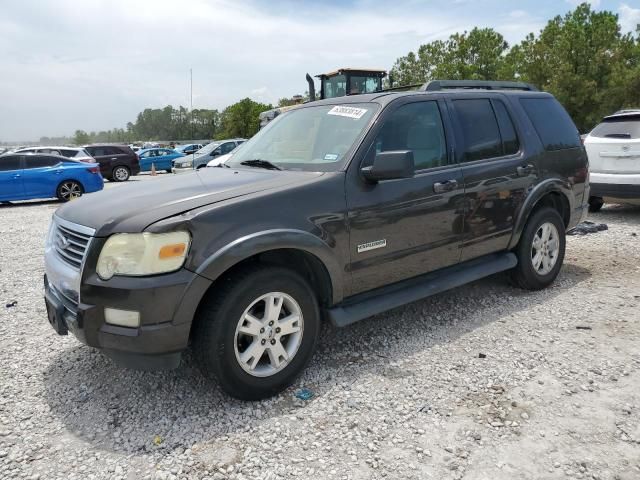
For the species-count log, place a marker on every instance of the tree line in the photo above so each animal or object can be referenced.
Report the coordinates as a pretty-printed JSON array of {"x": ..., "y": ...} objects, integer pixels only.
[
  {"x": 582, "y": 58},
  {"x": 175, "y": 124}
]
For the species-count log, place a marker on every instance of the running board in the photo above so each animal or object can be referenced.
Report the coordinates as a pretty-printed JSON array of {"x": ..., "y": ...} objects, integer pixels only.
[{"x": 382, "y": 299}]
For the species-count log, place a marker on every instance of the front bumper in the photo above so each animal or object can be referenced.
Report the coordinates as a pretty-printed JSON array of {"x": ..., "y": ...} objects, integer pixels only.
[
  {"x": 76, "y": 299},
  {"x": 181, "y": 169}
]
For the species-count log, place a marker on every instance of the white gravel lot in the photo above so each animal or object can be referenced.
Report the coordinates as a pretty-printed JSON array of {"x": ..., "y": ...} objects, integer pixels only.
[{"x": 404, "y": 395}]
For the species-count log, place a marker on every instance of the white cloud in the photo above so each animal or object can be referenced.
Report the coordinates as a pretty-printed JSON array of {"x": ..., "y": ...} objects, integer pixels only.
[
  {"x": 96, "y": 64},
  {"x": 594, "y": 3},
  {"x": 629, "y": 18}
]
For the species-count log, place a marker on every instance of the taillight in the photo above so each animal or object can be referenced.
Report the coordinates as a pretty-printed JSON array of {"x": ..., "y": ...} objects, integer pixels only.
[{"x": 94, "y": 169}]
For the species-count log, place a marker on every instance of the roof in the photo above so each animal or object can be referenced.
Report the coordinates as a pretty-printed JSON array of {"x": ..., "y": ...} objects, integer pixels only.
[
  {"x": 379, "y": 71},
  {"x": 385, "y": 97},
  {"x": 49, "y": 146},
  {"x": 631, "y": 112}
]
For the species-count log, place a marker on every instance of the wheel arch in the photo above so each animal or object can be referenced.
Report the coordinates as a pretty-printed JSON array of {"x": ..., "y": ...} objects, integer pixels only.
[
  {"x": 300, "y": 251},
  {"x": 553, "y": 193}
]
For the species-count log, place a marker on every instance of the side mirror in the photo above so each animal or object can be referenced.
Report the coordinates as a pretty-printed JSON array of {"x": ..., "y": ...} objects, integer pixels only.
[
  {"x": 390, "y": 165},
  {"x": 215, "y": 153}
]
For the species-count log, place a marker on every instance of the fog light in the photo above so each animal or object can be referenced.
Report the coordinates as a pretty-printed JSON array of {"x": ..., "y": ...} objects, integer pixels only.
[{"x": 123, "y": 318}]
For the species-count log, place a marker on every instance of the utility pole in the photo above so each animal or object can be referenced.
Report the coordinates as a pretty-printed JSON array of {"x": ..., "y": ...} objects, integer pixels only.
[{"x": 191, "y": 108}]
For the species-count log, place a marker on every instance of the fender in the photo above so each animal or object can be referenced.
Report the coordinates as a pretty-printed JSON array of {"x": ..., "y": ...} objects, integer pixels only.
[
  {"x": 259, "y": 242},
  {"x": 546, "y": 186}
]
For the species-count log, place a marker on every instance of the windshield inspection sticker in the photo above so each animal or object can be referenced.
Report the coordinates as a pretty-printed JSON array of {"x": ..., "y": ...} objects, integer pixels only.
[
  {"x": 331, "y": 156},
  {"x": 351, "y": 112}
]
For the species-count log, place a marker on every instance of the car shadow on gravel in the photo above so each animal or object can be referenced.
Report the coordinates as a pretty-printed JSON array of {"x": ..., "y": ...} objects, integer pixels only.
[{"x": 126, "y": 411}]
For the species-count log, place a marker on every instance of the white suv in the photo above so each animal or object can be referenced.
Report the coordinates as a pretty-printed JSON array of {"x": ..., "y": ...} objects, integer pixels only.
[{"x": 613, "y": 148}]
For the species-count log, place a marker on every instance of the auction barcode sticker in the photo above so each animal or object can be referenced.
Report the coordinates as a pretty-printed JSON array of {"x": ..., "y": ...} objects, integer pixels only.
[{"x": 351, "y": 112}]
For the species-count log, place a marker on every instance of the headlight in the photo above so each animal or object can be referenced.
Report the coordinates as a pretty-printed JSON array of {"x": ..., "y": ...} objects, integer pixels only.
[{"x": 138, "y": 254}]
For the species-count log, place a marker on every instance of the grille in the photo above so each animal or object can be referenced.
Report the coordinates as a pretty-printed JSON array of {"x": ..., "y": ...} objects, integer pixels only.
[{"x": 70, "y": 245}]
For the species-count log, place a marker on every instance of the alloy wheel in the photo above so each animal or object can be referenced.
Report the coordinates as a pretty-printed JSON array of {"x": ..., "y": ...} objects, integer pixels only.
[
  {"x": 545, "y": 248},
  {"x": 70, "y": 191},
  {"x": 269, "y": 334}
]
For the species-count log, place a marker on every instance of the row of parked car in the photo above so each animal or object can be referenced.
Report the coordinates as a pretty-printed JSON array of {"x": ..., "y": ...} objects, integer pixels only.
[{"x": 68, "y": 172}]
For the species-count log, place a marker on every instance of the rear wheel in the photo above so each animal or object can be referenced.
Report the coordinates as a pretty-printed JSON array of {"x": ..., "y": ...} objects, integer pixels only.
[
  {"x": 120, "y": 173},
  {"x": 69, "y": 190},
  {"x": 595, "y": 204},
  {"x": 540, "y": 250},
  {"x": 257, "y": 332}
]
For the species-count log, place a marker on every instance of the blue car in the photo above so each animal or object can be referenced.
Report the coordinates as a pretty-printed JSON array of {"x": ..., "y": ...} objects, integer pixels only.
[
  {"x": 162, "y": 158},
  {"x": 29, "y": 176}
]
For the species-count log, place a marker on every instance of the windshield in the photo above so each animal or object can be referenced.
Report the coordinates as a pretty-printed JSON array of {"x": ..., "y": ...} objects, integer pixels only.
[
  {"x": 314, "y": 139},
  {"x": 207, "y": 148}
]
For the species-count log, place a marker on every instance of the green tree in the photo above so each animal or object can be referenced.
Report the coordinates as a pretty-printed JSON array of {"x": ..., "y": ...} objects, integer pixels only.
[
  {"x": 241, "y": 119},
  {"x": 584, "y": 60},
  {"x": 474, "y": 55},
  {"x": 81, "y": 137}
]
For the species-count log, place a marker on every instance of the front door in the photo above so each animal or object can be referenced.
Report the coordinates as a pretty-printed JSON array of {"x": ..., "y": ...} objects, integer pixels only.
[
  {"x": 407, "y": 227},
  {"x": 11, "y": 181},
  {"x": 496, "y": 175}
]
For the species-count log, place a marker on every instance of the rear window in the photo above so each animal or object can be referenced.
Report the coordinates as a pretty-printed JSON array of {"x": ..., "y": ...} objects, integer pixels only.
[
  {"x": 553, "y": 124},
  {"x": 480, "y": 129},
  {"x": 624, "y": 127}
]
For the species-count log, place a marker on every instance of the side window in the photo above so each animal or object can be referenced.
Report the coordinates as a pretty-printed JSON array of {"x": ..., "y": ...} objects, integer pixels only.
[
  {"x": 510, "y": 143},
  {"x": 416, "y": 127},
  {"x": 479, "y": 129},
  {"x": 40, "y": 161},
  {"x": 553, "y": 124},
  {"x": 227, "y": 147},
  {"x": 10, "y": 162},
  {"x": 69, "y": 153},
  {"x": 113, "y": 151},
  {"x": 98, "y": 151}
]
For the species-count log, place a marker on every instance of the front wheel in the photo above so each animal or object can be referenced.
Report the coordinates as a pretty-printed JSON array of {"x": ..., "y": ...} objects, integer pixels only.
[
  {"x": 69, "y": 190},
  {"x": 120, "y": 174},
  {"x": 540, "y": 250},
  {"x": 257, "y": 332}
]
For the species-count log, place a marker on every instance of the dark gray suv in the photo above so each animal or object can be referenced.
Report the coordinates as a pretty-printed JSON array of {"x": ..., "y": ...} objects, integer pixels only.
[{"x": 337, "y": 210}]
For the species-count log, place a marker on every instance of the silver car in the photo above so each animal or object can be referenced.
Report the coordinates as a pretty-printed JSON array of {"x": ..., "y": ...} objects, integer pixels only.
[{"x": 207, "y": 153}]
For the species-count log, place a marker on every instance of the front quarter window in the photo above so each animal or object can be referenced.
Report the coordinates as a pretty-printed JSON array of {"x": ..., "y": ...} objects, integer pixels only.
[{"x": 314, "y": 138}]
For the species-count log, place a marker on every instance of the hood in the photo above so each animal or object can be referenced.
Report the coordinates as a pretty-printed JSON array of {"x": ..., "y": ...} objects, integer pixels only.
[{"x": 132, "y": 207}]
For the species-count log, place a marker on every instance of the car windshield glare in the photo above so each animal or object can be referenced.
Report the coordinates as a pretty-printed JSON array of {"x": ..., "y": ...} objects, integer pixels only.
[{"x": 313, "y": 138}]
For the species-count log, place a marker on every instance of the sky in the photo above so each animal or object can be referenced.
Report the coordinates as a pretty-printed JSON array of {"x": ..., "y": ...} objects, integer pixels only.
[{"x": 94, "y": 64}]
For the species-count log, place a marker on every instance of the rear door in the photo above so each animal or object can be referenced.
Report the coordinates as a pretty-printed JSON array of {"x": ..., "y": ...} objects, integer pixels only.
[
  {"x": 11, "y": 179},
  {"x": 42, "y": 175},
  {"x": 403, "y": 228},
  {"x": 496, "y": 175}
]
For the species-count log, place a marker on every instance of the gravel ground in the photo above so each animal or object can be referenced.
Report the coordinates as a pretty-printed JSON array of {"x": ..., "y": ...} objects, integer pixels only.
[{"x": 483, "y": 382}]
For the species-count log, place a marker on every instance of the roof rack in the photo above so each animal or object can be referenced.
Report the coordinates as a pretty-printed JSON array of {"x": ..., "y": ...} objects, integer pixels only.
[{"x": 435, "y": 85}]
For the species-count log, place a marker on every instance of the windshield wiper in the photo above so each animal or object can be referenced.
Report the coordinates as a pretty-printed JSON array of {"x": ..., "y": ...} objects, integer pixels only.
[
  {"x": 260, "y": 164},
  {"x": 618, "y": 135}
]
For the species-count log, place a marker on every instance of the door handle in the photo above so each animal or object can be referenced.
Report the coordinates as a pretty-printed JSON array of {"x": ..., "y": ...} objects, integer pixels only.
[
  {"x": 114, "y": 158},
  {"x": 446, "y": 186},
  {"x": 16, "y": 175},
  {"x": 525, "y": 170}
]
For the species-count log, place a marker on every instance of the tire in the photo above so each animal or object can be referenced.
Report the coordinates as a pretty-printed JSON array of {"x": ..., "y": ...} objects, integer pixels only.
[
  {"x": 120, "y": 173},
  {"x": 527, "y": 275},
  {"x": 219, "y": 345},
  {"x": 595, "y": 204},
  {"x": 69, "y": 190},
  {"x": 168, "y": 170}
]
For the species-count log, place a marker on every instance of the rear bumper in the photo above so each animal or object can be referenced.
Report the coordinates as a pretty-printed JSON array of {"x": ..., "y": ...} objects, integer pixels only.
[
  {"x": 615, "y": 190},
  {"x": 182, "y": 170}
]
